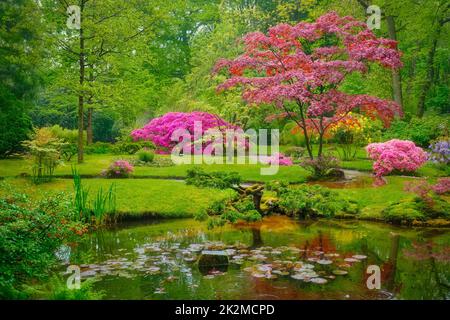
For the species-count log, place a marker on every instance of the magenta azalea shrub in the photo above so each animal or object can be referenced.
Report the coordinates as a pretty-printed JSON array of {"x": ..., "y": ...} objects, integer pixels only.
[
  {"x": 118, "y": 169},
  {"x": 442, "y": 186},
  {"x": 277, "y": 158},
  {"x": 401, "y": 155},
  {"x": 159, "y": 130}
]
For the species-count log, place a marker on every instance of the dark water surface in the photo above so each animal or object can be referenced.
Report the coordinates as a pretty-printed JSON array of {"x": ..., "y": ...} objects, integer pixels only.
[{"x": 277, "y": 259}]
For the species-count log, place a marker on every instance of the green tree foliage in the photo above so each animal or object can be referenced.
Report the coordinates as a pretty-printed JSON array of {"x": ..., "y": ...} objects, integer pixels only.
[{"x": 20, "y": 51}]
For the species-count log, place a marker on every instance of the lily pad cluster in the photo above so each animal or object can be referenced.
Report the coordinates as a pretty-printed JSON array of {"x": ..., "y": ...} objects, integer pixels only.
[{"x": 171, "y": 260}]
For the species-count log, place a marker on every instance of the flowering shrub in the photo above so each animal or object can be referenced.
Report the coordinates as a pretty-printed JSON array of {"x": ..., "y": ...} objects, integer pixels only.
[
  {"x": 440, "y": 152},
  {"x": 320, "y": 167},
  {"x": 31, "y": 232},
  {"x": 353, "y": 131},
  {"x": 159, "y": 130},
  {"x": 401, "y": 155},
  {"x": 277, "y": 158},
  {"x": 442, "y": 186},
  {"x": 118, "y": 169}
]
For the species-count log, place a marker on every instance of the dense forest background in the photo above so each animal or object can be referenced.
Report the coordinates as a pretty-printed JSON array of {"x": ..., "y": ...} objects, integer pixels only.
[{"x": 134, "y": 60}]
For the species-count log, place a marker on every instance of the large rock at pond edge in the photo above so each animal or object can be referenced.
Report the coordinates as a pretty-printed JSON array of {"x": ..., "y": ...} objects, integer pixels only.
[{"x": 213, "y": 260}]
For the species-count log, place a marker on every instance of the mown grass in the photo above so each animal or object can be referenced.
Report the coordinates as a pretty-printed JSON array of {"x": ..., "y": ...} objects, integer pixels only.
[
  {"x": 135, "y": 197},
  {"x": 94, "y": 164},
  {"x": 373, "y": 200}
]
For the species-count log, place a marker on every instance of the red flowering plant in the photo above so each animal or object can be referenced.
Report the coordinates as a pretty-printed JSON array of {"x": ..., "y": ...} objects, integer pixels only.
[{"x": 299, "y": 69}]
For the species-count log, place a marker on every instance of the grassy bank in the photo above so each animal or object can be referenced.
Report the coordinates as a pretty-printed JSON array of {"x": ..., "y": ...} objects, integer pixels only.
[{"x": 135, "y": 198}]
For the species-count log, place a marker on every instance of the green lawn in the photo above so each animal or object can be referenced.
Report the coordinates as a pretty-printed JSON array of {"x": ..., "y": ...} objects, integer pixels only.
[
  {"x": 94, "y": 164},
  {"x": 374, "y": 199},
  {"x": 135, "y": 197}
]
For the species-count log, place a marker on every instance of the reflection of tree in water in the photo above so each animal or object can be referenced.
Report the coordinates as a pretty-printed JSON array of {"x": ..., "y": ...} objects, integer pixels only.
[
  {"x": 433, "y": 254},
  {"x": 256, "y": 237}
]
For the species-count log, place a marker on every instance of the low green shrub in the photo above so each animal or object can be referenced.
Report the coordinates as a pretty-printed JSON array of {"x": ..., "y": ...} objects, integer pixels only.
[
  {"x": 404, "y": 212},
  {"x": 314, "y": 201},
  {"x": 220, "y": 180},
  {"x": 131, "y": 147},
  {"x": 295, "y": 152},
  {"x": 146, "y": 155},
  {"x": 99, "y": 148}
]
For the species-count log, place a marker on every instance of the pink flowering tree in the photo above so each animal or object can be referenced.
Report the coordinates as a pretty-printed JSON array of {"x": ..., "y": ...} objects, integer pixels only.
[
  {"x": 160, "y": 130},
  {"x": 400, "y": 155},
  {"x": 299, "y": 69}
]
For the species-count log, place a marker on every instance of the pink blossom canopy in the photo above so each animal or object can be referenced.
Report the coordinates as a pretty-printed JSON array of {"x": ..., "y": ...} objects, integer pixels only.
[
  {"x": 292, "y": 64},
  {"x": 160, "y": 130}
]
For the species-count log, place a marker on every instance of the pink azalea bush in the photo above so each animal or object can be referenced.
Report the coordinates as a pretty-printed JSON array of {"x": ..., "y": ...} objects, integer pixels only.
[
  {"x": 277, "y": 158},
  {"x": 160, "y": 130},
  {"x": 401, "y": 155},
  {"x": 442, "y": 186},
  {"x": 118, "y": 169}
]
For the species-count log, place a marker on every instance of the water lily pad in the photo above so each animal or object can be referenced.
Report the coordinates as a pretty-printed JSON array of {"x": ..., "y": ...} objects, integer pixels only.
[
  {"x": 160, "y": 291},
  {"x": 340, "y": 272},
  {"x": 258, "y": 275},
  {"x": 331, "y": 255},
  {"x": 280, "y": 272},
  {"x": 298, "y": 276},
  {"x": 88, "y": 273},
  {"x": 319, "y": 280},
  {"x": 324, "y": 261},
  {"x": 264, "y": 268},
  {"x": 153, "y": 269}
]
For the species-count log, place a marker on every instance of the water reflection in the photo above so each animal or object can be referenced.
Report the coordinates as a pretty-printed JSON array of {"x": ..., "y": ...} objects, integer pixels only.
[{"x": 277, "y": 259}]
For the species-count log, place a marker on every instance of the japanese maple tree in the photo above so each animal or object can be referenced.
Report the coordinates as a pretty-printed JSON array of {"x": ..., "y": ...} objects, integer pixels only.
[{"x": 299, "y": 69}]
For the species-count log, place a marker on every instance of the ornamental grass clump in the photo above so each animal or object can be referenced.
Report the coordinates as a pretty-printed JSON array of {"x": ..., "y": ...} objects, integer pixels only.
[
  {"x": 395, "y": 155},
  {"x": 118, "y": 169}
]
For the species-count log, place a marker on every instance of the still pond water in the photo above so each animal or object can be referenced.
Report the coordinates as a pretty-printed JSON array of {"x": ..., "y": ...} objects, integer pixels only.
[{"x": 277, "y": 259}]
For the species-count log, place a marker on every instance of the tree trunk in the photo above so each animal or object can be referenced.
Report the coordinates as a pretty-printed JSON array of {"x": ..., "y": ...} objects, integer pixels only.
[
  {"x": 396, "y": 76},
  {"x": 430, "y": 73},
  {"x": 305, "y": 131},
  {"x": 89, "y": 126},
  {"x": 81, "y": 93}
]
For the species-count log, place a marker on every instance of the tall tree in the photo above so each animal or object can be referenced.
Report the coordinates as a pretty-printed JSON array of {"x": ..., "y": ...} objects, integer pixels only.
[
  {"x": 20, "y": 57},
  {"x": 107, "y": 28}
]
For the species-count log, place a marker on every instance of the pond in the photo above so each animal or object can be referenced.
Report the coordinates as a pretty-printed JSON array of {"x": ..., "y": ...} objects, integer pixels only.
[{"x": 279, "y": 258}]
